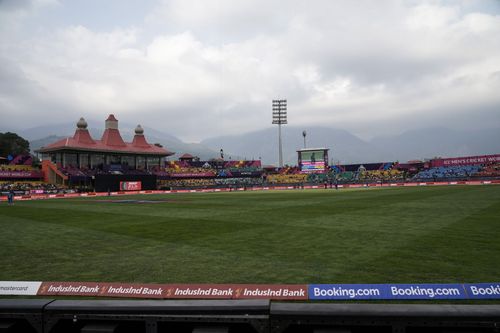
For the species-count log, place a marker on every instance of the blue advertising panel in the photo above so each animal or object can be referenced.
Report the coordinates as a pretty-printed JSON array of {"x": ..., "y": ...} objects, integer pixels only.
[
  {"x": 386, "y": 291},
  {"x": 345, "y": 291},
  {"x": 426, "y": 291},
  {"x": 483, "y": 290}
]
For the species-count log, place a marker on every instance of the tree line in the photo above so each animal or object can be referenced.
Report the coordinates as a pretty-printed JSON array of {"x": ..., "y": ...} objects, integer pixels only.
[{"x": 13, "y": 144}]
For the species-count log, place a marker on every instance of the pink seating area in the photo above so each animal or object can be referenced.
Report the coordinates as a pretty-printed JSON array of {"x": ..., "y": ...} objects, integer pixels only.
[
  {"x": 290, "y": 170},
  {"x": 22, "y": 160}
]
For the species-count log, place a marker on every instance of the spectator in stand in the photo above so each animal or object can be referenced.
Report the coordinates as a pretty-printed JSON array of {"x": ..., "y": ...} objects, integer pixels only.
[
  {"x": 286, "y": 178},
  {"x": 27, "y": 187}
]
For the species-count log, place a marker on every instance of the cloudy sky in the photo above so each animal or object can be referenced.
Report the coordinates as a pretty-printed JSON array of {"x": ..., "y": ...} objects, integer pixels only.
[{"x": 203, "y": 68}]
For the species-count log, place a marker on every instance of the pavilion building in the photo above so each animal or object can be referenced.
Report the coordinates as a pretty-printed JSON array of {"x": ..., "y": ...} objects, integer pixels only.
[{"x": 110, "y": 153}]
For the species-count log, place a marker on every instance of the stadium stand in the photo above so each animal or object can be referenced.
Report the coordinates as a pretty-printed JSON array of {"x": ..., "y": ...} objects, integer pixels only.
[
  {"x": 451, "y": 172},
  {"x": 385, "y": 175},
  {"x": 22, "y": 160},
  {"x": 188, "y": 172},
  {"x": 30, "y": 187},
  {"x": 238, "y": 181},
  {"x": 347, "y": 177},
  {"x": 12, "y": 167},
  {"x": 336, "y": 169},
  {"x": 318, "y": 178},
  {"x": 243, "y": 166},
  {"x": 185, "y": 183},
  {"x": 289, "y": 170},
  {"x": 368, "y": 172},
  {"x": 366, "y": 166},
  {"x": 342, "y": 176},
  {"x": 20, "y": 176},
  {"x": 80, "y": 162},
  {"x": 211, "y": 168},
  {"x": 220, "y": 173},
  {"x": 191, "y": 172},
  {"x": 287, "y": 179},
  {"x": 489, "y": 170}
]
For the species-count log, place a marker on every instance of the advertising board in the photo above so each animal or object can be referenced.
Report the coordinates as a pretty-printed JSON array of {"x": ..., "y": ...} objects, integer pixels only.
[{"x": 130, "y": 186}]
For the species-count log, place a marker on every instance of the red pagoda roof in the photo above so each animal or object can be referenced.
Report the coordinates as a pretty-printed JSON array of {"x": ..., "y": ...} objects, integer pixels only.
[
  {"x": 111, "y": 142},
  {"x": 112, "y": 137}
]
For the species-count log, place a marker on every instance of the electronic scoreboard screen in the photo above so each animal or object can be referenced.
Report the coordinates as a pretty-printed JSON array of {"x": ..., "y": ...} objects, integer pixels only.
[{"x": 313, "y": 161}]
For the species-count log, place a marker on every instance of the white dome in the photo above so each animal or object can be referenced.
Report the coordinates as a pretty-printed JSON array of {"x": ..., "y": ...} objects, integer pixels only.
[
  {"x": 81, "y": 124},
  {"x": 139, "y": 130}
]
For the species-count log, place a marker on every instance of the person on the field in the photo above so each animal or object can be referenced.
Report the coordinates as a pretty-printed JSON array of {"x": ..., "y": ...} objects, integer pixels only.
[{"x": 10, "y": 197}]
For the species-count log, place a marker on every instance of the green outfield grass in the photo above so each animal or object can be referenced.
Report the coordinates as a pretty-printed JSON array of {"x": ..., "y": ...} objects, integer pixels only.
[{"x": 391, "y": 235}]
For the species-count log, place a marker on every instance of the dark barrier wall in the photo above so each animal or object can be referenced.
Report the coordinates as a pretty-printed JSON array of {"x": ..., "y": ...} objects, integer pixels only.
[
  {"x": 389, "y": 318},
  {"x": 240, "y": 316},
  {"x": 105, "y": 183},
  {"x": 22, "y": 315},
  {"x": 246, "y": 316}
]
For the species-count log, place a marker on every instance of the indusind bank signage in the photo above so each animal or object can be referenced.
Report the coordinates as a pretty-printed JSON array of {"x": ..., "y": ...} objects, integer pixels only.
[{"x": 427, "y": 291}]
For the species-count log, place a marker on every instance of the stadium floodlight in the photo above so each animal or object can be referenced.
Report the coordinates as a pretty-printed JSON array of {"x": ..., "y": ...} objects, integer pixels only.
[
  {"x": 279, "y": 118},
  {"x": 304, "y": 133}
]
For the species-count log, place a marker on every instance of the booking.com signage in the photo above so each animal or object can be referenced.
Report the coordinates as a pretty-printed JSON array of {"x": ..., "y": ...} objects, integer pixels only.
[
  {"x": 403, "y": 291},
  {"x": 483, "y": 290}
]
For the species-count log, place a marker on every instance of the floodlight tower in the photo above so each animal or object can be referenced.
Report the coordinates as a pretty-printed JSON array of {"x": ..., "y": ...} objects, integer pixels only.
[{"x": 279, "y": 118}]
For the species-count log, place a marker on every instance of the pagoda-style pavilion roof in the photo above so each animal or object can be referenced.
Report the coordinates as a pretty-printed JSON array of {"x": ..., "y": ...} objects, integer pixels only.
[{"x": 111, "y": 141}]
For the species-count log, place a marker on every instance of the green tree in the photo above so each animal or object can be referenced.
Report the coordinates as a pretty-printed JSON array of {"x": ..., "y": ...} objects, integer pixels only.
[{"x": 13, "y": 144}]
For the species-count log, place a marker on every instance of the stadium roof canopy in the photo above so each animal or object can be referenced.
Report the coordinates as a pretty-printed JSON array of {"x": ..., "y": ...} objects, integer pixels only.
[
  {"x": 186, "y": 156},
  {"x": 111, "y": 141},
  {"x": 312, "y": 149}
]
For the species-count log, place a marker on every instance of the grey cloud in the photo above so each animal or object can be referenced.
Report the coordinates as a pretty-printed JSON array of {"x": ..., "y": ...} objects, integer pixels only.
[
  {"x": 198, "y": 69},
  {"x": 14, "y": 4},
  {"x": 23, "y": 102}
]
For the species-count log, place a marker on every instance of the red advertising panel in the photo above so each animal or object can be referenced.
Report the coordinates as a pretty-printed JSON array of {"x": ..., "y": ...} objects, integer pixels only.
[
  {"x": 71, "y": 289},
  {"x": 201, "y": 291},
  {"x": 102, "y": 289},
  {"x": 470, "y": 160},
  {"x": 281, "y": 292},
  {"x": 130, "y": 186},
  {"x": 20, "y": 174},
  {"x": 134, "y": 290},
  {"x": 174, "y": 291}
]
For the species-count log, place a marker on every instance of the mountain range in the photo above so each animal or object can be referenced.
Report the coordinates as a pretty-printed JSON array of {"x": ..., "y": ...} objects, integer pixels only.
[
  {"x": 347, "y": 148},
  {"x": 43, "y": 135},
  {"x": 344, "y": 147}
]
